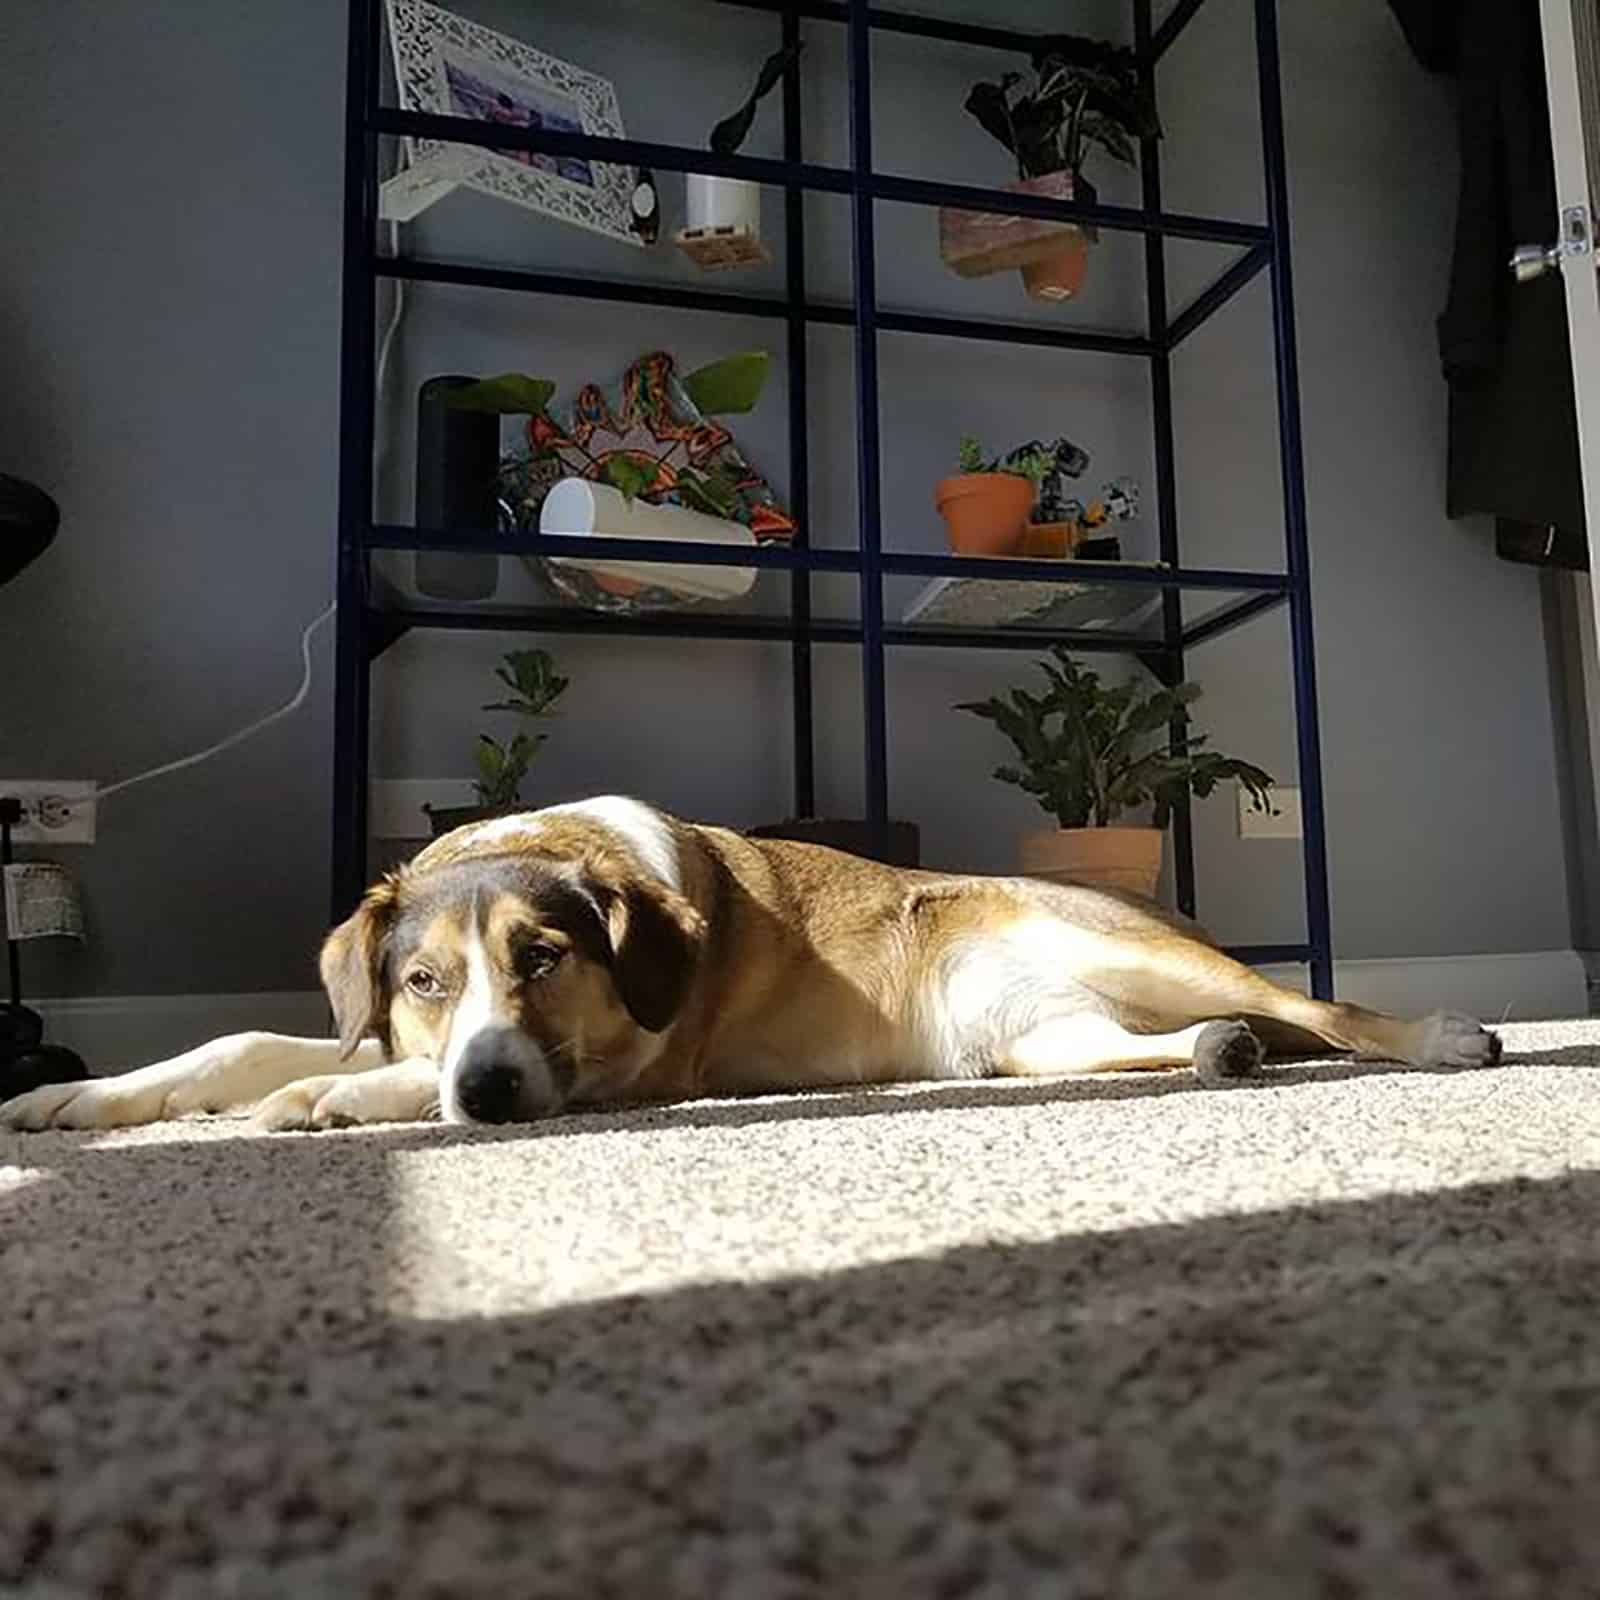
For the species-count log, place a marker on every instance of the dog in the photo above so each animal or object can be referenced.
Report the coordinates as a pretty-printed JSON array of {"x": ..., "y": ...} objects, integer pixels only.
[{"x": 604, "y": 952}]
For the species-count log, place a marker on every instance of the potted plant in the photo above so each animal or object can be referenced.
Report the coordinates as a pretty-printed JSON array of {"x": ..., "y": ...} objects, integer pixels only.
[
  {"x": 1089, "y": 753},
  {"x": 1079, "y": 94},
  {"x": 987, "y": 505},
  {"x": 535, "y": 687},
  {"x": 617, "y": 455},
  {"x": 723, "y": 222}
]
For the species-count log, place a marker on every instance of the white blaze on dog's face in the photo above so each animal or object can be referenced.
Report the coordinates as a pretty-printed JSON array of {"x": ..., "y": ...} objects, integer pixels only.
[{"x": 530, "y": 977}]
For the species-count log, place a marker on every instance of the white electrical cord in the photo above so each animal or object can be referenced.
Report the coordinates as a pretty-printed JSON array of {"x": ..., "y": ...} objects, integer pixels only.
[
  {"x": 397, "y": 311},
  {"x": 243, "y": 733}
]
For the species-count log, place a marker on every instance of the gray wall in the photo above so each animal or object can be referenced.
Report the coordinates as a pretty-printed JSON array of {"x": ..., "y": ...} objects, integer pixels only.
[
  {"x": 168, "y": 306},
  {"x": 169, "y": 340}
]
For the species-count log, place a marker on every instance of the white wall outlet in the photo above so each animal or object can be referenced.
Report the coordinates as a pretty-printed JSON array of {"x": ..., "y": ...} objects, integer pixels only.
[
  {"x": 1285, "y": 800},
  {"x": 396, "y": 804},
  {"x": 54, "y": 810}
]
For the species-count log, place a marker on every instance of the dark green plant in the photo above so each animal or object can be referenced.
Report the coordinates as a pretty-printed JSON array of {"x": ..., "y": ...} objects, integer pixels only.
[
  {"x": 732, "y": 131},
  {"x": 1034, "y": 464},
  {"x": 535, "y": 687},
  {"x": 1089, "y": 752},
  {"x": 1080, "y": 92},
  {"x": 724, "y": 388}
]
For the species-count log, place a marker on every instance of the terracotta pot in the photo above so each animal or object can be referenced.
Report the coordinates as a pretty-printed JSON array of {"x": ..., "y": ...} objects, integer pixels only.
[
  {"x": 1058, "y": 277},
  {"x": 1115, "y": 858},
  {"x": 1047, "y": 540},
  {"x": 976, "y": 243},
  {"x": 985, "y": 512}
]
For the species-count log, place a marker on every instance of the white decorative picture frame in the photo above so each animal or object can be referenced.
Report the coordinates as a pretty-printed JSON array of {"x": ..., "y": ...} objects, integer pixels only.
[{"x": 450, "y": 66}]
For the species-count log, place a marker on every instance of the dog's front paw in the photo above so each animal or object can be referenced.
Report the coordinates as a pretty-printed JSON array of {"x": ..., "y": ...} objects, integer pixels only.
[
  {"x": 120, "y": 1102},
  {"x": 298, "y": 1107},
  {"x": 403, "y": 1092},
  {"x": 1452, "y": 1040}
]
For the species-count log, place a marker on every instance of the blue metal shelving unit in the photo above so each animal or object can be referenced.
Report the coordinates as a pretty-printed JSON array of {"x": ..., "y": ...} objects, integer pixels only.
[{"x": 369, "y": 620}]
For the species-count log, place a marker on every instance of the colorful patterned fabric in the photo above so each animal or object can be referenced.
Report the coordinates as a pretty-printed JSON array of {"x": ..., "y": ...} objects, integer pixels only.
[{"x": 650, "y": 419}]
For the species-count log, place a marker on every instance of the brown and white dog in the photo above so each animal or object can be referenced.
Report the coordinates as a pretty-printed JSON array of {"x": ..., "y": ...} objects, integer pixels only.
[{"x": 606, "y": 952}]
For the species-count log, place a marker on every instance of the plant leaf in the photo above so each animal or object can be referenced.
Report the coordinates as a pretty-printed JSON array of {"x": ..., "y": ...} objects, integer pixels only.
[
  {"x": 511, "y": 395},
  {"x": 627, "y": 476},
  {"x": 714, "y": 492},
  {"x": 730, "y": 387},
  {"x": 733, "y": 130}
]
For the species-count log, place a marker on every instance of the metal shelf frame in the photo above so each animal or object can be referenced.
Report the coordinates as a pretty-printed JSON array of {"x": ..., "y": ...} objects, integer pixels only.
[{"x": 369, "y": 618}]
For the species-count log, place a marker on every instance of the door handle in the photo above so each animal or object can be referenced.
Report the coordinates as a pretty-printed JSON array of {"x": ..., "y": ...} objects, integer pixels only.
[{"x": 1530, "y": 261}]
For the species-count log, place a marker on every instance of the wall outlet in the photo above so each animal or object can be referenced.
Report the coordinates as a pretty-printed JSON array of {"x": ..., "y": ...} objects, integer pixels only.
[
  {"x": 54, "y": 810},
  {"x": 1262, "y": 825}
]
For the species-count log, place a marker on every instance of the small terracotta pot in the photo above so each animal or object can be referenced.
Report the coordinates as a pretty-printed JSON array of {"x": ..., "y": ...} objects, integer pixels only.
[
  {"x": 1058, "y": 277},
  {"x": 1046, "y": 540},
  {"x": 976, "y": 243},
  {"x": 1115, "y": 858},
  {"x": 985, "y": 512}
]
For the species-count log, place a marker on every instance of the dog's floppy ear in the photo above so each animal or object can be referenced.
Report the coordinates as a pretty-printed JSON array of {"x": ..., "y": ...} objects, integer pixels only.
[
  {"x": 352, "y": 968},
  {"x": 655, "y": 937}
]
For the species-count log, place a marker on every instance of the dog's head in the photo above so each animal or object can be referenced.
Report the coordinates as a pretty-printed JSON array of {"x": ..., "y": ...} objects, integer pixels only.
[{"x": 529, "y": 970}]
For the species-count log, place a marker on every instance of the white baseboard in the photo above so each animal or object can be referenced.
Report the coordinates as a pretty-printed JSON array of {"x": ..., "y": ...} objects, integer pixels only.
[
  {"x": 112, "y": 1032},
  {"x": 1534, "y": 985}
]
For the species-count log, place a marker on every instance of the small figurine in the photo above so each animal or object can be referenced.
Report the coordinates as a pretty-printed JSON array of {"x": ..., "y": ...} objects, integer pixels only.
[{"x": 1067, "y": 460}]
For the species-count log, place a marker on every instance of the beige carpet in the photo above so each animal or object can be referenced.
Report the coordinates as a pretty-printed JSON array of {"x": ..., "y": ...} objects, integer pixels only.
[{"x": 1337, "y": 1334}]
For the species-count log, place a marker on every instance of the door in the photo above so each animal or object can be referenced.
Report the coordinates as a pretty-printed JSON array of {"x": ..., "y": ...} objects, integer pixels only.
[
  {"x": 1572, "y": 74},
  {"x": 1571, "y": 30}
]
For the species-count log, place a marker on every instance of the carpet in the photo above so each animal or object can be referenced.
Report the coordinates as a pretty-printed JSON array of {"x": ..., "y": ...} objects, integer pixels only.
[{"x": 1332, "y": 1334}]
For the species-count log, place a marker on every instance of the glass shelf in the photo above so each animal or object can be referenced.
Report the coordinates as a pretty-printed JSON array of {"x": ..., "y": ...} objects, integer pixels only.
[{"x": 933, "y": 601}]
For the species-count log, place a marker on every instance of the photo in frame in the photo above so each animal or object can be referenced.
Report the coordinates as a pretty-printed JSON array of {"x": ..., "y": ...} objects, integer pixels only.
[{"x": 450, "y": 66}]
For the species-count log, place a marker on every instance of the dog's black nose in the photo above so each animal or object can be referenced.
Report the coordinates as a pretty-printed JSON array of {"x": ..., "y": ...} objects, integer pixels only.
[
  {"x": 502, "y": 1076},
  {"x": 489, "y": 1091}
]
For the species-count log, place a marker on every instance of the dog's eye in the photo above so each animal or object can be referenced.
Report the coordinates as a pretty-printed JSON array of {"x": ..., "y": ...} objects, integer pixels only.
[
  {"x": 538, "y": 960},
  {"x": 423, "y": 984}
]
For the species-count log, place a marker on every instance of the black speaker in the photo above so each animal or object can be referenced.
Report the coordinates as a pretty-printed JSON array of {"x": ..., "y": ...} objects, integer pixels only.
[{"x": 458, "y": 459}]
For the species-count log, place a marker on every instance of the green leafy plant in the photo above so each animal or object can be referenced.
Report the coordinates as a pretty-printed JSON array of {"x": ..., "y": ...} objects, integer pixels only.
[
  {"x": 1090, "y": 752},
  {"x": 1079, "y": 93},
  {"x": 726, "y": 388},
  {"x": 1034, "y": 464},
  {"x": 732, "y": 131},
  {"x": 535, "y": 687},
  {"x": 713, "y": 492}
]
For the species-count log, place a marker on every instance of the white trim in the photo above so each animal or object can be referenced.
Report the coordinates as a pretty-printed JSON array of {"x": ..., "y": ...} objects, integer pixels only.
[
  {"x": 1523, "y": 987},
  {"x": 112, "y": 1032}
]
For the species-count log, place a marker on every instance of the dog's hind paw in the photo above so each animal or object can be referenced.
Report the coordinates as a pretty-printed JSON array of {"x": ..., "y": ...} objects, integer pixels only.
[
  {"x": 1226, "y": 1052},
  {"x": 1452, "y": 1040}
]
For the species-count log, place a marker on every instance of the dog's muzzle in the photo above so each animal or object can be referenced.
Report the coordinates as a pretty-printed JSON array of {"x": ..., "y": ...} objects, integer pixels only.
[{"x": 502, "y": 1076}]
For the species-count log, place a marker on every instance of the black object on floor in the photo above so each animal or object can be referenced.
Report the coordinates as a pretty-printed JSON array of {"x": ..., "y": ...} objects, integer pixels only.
[
  {"x": 28, "y": 522},
  {"x": 26, "y": 1062}
]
